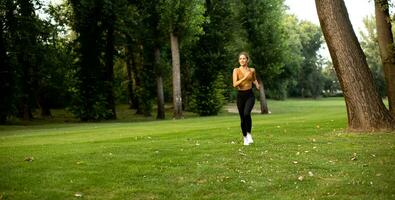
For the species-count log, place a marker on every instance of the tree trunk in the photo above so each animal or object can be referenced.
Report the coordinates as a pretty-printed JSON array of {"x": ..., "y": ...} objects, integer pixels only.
[
  {"x": 159, "y": 87},
  {"x": 6, "y": 78},
  {"x": 110, "y": 70},
  {"x": 387, "y": 49},
  {"x": 138, "y": 70},
  {"x": 27, "y": 58},
  {"x": 262, "y": 97},
  {"x": 365, "y": 109},
  {"x": 175, "y": 54},
  {"x": 129, "y": 64},
  {"x": 44, "y": 105}
]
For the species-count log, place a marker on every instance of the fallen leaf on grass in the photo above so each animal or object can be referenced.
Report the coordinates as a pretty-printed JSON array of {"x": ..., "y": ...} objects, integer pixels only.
[
  {"x": 311, "y": 173},
  {"x": 29, "y": 159},
  {"x": 201, "y": 181},
  {"x": 300, "y": 178},
  {"x": 295, "y": 162},
  {"x": 78, "y": 194},
  {"x": 354, "y": 156}
]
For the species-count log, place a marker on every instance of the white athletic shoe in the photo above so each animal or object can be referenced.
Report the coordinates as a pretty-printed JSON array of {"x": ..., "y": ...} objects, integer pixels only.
[
  {"x": 246, "y": 142},
  {"x": 249, "y": 138}
]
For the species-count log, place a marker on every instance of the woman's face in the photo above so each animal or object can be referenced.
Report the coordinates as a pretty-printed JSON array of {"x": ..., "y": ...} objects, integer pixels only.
[{"x": 243, "y": 60}]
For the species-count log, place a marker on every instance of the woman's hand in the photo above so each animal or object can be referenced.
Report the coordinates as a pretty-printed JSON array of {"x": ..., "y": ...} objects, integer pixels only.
[
  {"x": 257, "y": 86},
  {"x": 247, "y": 74}
]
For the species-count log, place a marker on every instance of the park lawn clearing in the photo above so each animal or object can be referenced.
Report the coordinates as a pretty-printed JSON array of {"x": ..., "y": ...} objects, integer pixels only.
[{"x": 301, "y": 151}]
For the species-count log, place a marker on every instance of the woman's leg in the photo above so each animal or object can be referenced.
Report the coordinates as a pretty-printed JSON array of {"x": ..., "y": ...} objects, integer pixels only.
[
  {"x": 241, "y": 107},
  {"x": 249, "y": 104}
]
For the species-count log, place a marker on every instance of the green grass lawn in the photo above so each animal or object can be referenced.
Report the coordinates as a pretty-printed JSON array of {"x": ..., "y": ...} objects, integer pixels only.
[{"x": 301, "y": 151}]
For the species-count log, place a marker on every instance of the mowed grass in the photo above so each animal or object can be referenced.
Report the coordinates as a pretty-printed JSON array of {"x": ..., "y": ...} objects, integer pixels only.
[{"x": 301, "y": 151}]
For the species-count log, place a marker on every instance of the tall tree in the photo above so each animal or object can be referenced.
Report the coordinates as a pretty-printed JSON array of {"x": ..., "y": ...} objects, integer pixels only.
[
  {"x": 7, "y": 83},
  {"x": 309, "y": 76},
  {"x": 183, "y": 21},
  {"x": 110, "y": 19},
  {"x": 26, "y": 46},
  {"x": 90, "y": 100},
  {"x": 153, "y": 40},
  {"x": 211, "y": 57},
  {"x": 265, "y": 46},
  {"x": 293, "y": 59},
  {"x": 365, "y": 109},
  {"x": 387, "y": 49}
]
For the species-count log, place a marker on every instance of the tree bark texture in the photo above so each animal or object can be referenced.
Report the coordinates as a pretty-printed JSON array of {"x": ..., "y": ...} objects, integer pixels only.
[
  {"x": 159, "y": 87},
  {"x": 129, "y": 63},
  {"x": 175, "y": 54},
  {"x": 365, "y": 109},
  {"x": 110, "y": 69},
  {"x": 44, "y": 104},
  {"x": 262, "y": 97},
  {"x": 387, "y": 49}
]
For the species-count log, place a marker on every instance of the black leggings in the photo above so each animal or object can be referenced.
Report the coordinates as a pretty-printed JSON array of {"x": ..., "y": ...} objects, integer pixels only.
[{"x": 245, "y": 103}]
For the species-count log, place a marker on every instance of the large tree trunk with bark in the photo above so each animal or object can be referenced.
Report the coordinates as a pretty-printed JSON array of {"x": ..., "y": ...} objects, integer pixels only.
[
  {"x": 130, "y": 67},
  {"x": 138, "y": 69},
  {"x": 175, "y": 54},
  {"x": 365, "y": 109},
  {"x": 387, "y": 49},
  {"x": 109, "y": 63},
  {"x": 129, "y": 63},
  {"x": 44, "y": 105},
  {"x": 6, "y": 78},
  {"x": 159, "y": 87},
  {"x": 262, "y": 97}
]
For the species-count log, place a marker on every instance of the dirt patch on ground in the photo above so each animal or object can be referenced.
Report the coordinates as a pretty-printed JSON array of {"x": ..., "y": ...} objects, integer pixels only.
[{"x": 233, "y": 109}]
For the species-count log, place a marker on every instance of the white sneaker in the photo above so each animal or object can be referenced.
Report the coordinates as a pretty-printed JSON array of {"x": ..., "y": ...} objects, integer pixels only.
[
  {"x": 249, "y": 138},
  {"x": 246, "y": 142}
]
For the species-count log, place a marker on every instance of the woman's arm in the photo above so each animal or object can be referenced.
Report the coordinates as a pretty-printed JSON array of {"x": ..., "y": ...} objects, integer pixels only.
[
  {"x": 256, "y": 84},
  {"x": 255, "y": 80},
  {"x": 235, "y": 81}
]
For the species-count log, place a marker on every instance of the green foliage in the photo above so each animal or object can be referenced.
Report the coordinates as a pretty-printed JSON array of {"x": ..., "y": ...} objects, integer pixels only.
[
  {"x": 183, "y": 18},
  {"x": 309, "y": 81},
  {"x": 7, "y": 77},
  {"x": 331, "y": 83},
  {"x": 210, "y": 58},
  {"x": 120, "y": 82},
  {"x": 208, "y": 100},
  {"x": 26, "y": 64},
  {"x": 266, "y": 47},
  {"x": 293, "y": 56},
  {"x": 94, "y": 21}
]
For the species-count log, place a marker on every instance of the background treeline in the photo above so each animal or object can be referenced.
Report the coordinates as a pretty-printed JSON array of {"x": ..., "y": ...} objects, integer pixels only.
[{"x": 88, "y": 55}]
